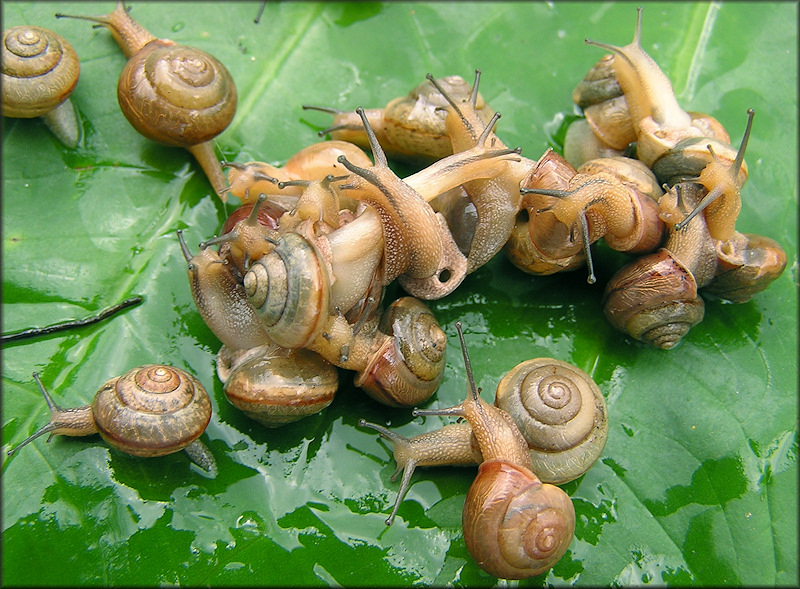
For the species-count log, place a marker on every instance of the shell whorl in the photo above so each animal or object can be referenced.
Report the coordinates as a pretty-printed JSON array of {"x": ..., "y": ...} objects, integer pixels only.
[
  {"x": 560, "y": 412},
  {"x": 152, "y": 410},
  {"x": 40, "y": 71}
]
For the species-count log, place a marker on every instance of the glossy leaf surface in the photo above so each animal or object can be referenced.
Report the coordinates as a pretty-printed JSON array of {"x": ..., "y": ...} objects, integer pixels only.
[{"x": 698, "y": 480}]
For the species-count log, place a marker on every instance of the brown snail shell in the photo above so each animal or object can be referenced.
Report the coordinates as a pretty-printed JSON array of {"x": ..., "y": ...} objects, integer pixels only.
[
  {"x": 514, "y": 526},
  {"x": 40, "y": 71},
  {"x": 152, "y": 410},
  {"x": 409, "y": 364},
  {"x": 561, "y": 413},
  {"x": 654, "y": 299},
  {"x": 275, "y": 386}
]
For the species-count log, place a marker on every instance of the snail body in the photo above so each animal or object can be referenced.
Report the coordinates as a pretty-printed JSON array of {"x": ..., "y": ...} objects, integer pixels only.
[
  {"x": 40, "y": 71},
  {"x": 222, "y": 301},
  {"x": 172, "y": 94},
  {"x": 655, "y": 298},
  {"x": 152, "y": 410}
]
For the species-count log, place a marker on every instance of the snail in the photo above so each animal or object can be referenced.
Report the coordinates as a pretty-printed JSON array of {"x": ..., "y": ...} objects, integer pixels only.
[
  {"x": 723, "y": 183},
  {"x": 172, "y": 94},
  {"x": 243, "y": 235},
  {"x": 274, "y": 385},
  {"x": 657, "y": 119},
  {"x": 313, "y": 162},
  {"x": 655, "y": 298},
  {"x": 515, "y": 526},
  {"x": 523, "y": 249},
  {"x": 411, "y": 127},
  {"x": 152, "y": 410},
  {"x": 558, "y": 408},
  {"x": 221, "y": 300},
  {"x": 495, "y": 196},
  {"x": 615, "y": 199},
  {"x": 40, "y": 71}
]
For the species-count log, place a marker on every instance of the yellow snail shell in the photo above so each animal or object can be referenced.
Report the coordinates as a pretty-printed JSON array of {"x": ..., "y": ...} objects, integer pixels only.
[{"x": 561, "y": 413}]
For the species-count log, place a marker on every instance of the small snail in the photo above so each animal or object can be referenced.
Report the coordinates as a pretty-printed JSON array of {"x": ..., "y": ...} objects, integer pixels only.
[
  {"x": 313, "y": 162},
  {"x": 152, "y": 410},
  {"x": 172, "y": 94},
  {"x": 530, "y": 245},
  {"x": 655, "y": 298},
  {"x": 243, "y": 237},
  {"x": 411, "y": 127},
  {"x": 40, "y": 71},
  {"x": 221, "y": 300},
  {"x": 515, "y": 526},
  {"x": 602, "y": 201},
  {"x": 274, "y": 385}
]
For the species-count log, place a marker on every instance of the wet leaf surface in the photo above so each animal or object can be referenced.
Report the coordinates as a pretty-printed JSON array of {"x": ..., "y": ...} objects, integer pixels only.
[{"x": 698, "y": 480}]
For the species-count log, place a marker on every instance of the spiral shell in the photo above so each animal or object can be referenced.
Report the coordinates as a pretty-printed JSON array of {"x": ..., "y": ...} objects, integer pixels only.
[
  {"x": 152, "y": 410},
  {"x": 275, "y": 386},
  {"x": 290, "y": 290},
  {"x": 515, "y": 526},
  {"x": 409, "y": 364},
  {"x": 40, "y": 71},
  {"x": 654, "y": 299},
  {"x": 176, "y": 95},
  {"x": 561, "y": 413}
]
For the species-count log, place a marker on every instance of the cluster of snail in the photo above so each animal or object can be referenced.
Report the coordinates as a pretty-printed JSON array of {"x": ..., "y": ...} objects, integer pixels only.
[{"x": 295, "y": 289}]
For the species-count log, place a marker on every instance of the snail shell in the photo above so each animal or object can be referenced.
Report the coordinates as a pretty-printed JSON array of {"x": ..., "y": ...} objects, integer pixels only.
[
  {"x": 290, "y": 289},
  {"x": 514, "y": 526},
  {"x": 40, "y": 71},
  {"x": 654, "y": 299},
  {"x": 275, "y": 386},
  {"x": 747, "y": 264},
  {"x": 176, "y": 95},
  {"x": 561, "y": 413},
  {"x": 408, "y": 366},
  {"x": 152, "y": 410}
]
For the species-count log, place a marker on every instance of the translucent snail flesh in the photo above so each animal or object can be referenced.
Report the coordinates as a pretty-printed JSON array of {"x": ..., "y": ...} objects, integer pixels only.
[
  {"x": 40, "y": 71},
  {"x": 152, "y": 410}
]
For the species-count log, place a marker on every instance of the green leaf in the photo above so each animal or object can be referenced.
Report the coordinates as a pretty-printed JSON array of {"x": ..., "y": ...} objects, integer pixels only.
[{"x": 698, "y": 480}]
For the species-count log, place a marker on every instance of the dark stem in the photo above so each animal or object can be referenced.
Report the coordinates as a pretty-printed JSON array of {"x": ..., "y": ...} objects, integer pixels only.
[{"x": 104, "y": 314}]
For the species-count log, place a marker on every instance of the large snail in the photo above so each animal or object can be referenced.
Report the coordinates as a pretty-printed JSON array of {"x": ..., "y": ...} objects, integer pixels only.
[
  {"x": 172, "y": 94},
  {"x": 40, "y": 71},
  {"x": 515, "y": 526},
  {"x": 152, "y": 410}
]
